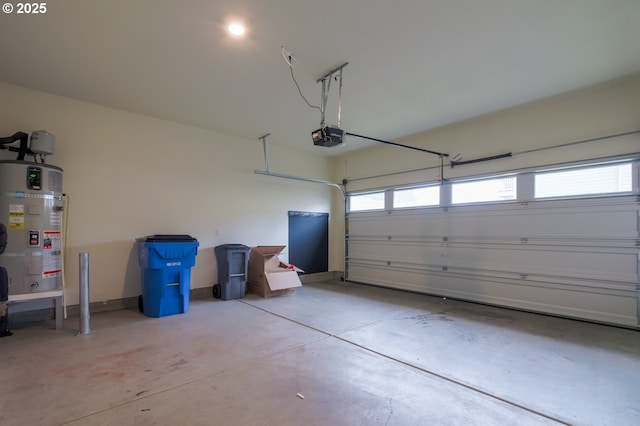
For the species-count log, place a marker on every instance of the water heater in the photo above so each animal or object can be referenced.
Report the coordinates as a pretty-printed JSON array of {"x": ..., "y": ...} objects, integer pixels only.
[{"x": 31, "y": 205}]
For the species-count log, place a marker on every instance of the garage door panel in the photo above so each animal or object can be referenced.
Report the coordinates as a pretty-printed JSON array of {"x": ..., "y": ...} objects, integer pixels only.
[
  {"x": 603, "y": 305},
  {"x": 613, "y": 221},
  {"x": 577, "y": 258},
  {"x": 605, "y": 263}
]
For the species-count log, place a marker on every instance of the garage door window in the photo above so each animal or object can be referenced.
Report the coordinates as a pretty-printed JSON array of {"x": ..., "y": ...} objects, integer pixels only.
[
  {"x": 416, "y": 197},
  {"x": 371, "y": 201},
  {"x": 501, "y": 189},
  {"x": 610, "y": 179}
]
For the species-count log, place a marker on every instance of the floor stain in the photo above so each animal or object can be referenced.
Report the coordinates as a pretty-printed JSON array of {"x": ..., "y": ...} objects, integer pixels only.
[
  {"x": 426, "y": 319},
  {"x": 176, "y": 365},
  {"x": 479, "y": 314}
]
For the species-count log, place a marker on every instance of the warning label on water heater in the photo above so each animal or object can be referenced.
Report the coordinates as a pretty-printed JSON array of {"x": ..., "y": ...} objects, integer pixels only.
[
  {"x": 54, "y": 218},
  {"x": 16, "y": 216},
  {"x": 52, "y": 260}
]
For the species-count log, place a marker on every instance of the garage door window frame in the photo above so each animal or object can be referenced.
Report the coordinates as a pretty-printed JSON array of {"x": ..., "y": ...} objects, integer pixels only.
[{"x": 524, "y": 187}]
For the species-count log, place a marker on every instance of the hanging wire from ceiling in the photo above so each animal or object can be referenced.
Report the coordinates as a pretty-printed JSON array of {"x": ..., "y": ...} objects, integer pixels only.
[{"x": 288, "y": 57}]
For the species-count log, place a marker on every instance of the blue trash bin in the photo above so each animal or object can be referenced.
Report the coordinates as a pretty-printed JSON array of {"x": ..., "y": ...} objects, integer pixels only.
[{"x": 165, "y": 262}]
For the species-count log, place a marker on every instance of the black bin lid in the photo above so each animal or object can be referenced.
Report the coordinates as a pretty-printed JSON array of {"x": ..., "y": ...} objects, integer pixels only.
[
  {"x": 231, "y": 247},
  {"x": 169, "y": 238}
]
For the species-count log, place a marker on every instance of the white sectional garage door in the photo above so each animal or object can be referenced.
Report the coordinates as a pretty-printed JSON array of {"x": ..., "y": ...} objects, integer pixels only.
[{"x": 577, "y": 258}]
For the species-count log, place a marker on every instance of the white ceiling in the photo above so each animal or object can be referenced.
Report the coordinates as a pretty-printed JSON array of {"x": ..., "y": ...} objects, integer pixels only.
[{"x": 413, "y": 64}]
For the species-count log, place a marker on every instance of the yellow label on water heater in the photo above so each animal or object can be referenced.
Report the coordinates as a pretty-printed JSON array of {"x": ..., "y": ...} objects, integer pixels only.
[{"x": 16, "y": 220}]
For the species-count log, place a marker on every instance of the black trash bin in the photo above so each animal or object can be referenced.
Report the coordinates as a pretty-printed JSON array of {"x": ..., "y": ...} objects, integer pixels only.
[{"x": 233, "y": 261}]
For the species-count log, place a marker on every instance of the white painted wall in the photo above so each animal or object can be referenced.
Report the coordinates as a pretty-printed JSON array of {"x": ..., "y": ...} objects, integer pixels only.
[
  {"x": 600, "y": 110},
  {"x": 130, "y": 175}
]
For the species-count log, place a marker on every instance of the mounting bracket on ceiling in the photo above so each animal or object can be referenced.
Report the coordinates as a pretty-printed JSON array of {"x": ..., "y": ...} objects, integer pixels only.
[
  {"x": 329, "y": 136},
  {"x": 265, "y": 146},
  {"x": 326, "y": 84}
]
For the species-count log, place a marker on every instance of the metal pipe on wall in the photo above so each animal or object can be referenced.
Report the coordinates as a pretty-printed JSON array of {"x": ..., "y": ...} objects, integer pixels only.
[
  {"x": 85, "y": 327},
  {"x": 303, "y": 179}
]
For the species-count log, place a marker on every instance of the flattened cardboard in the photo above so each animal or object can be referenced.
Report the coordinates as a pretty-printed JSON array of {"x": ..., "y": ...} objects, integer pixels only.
[
  {"x": 268, "y": 276},
  {"x": 281, "y": 280}
]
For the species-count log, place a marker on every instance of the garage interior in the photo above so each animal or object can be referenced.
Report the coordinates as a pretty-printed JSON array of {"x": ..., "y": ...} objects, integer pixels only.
[{"x": 480, "y": 251}]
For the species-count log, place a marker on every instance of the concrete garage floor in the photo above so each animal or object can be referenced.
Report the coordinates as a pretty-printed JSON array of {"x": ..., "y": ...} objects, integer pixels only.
[{"x": 358, "y": 355}]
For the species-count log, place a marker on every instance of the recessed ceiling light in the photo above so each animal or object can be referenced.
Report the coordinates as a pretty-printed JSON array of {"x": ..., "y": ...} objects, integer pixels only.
[{"x": 236, "y": 29}]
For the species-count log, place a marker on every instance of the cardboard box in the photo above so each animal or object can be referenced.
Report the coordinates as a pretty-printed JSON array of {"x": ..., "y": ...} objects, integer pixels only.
[{"x": 268, "y": 276}]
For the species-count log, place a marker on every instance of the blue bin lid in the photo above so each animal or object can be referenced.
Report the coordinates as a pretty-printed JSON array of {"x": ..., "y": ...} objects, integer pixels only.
[{"x": 169, "y": 238}]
